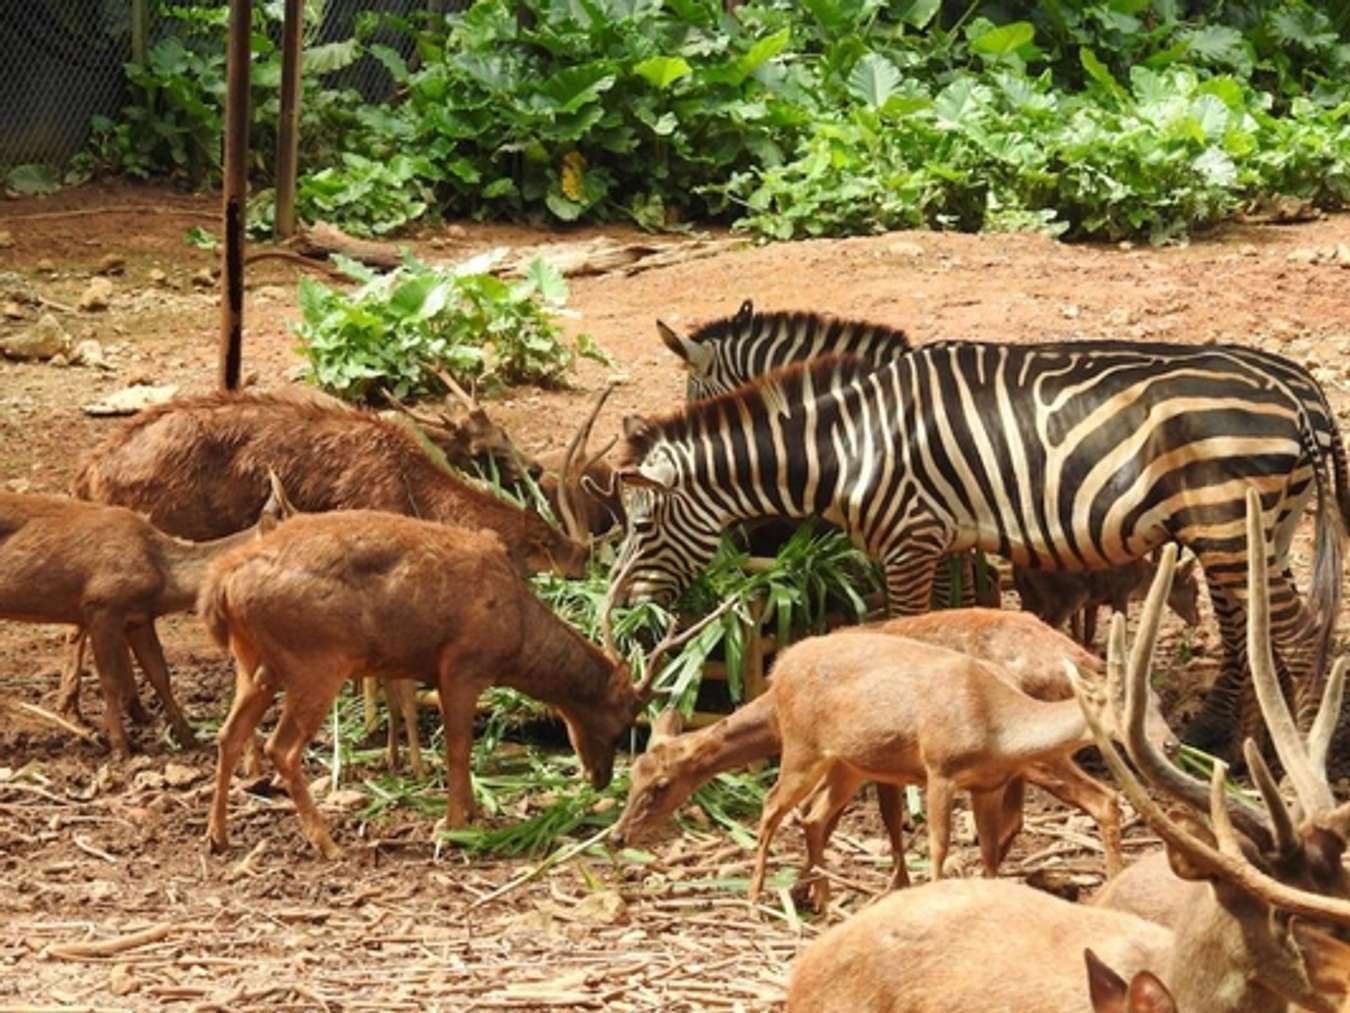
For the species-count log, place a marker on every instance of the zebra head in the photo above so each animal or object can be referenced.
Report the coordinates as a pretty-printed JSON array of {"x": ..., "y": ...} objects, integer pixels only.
[
  {"x": 709, "y": 373},
  {"x": 671, "y": 534}
]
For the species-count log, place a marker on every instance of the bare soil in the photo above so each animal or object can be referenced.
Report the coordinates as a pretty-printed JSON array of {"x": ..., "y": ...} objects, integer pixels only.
[{"x": 93, "y": 851}]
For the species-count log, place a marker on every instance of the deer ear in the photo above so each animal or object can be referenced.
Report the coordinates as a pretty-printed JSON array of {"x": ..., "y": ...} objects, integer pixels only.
[
  {"x": 1148, "y": 994},
  {"x": 1182, "y": 866},
  {"x": 669, "y": 723},
  {"x": 634, "y": 426},
  {"x": 1105, "y": 987},
  {"x": 650, "y": 474}
]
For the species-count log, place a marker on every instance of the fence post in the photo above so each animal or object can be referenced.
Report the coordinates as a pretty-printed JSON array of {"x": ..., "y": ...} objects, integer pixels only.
[
  {"x": 288, "y": 129},
  {"x": 236, "y": 188},
  {"x": 140, "y": 31}
]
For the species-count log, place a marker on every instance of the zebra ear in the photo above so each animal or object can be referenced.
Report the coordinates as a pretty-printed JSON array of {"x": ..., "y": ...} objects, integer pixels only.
[
  {"x": 695, "y": 356},
  {"x": 745, "y": 314}
]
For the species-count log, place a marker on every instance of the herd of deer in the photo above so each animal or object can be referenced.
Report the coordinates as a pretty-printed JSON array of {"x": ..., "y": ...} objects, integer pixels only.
[{"x": 331, "y": 544}]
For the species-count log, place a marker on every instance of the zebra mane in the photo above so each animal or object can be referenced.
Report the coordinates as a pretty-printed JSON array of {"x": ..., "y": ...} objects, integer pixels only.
[
  {"x": 775, "y": 391},
  {"x": 797, "y": 323}
]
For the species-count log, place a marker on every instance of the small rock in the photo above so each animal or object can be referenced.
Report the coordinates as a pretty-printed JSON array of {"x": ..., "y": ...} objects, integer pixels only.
[
  {"x": 19, "y": 485},
  {"x": 59, "y": 360},
  {"x": 45, "y": 266},
  {"x": 157, "y": 277},
  {"x": 178, "y": 775},
  {"x": 13, "y": 310},
  {"x": 203, "y": 278},
  {"x": 1248, "y": 250},
  {"x": 345, "y": 798},
  {"x": 603, "y": 908},
  {"x": 46, "y": 339},
  {"x": 97, "y": 295},
  {"x": 121, "y": 981},
  {"x": 1071, "y": 312},
  {"x": 1125, "y": 245},
  {"x": 112, "y": 263},
  {"x": 437, "y": 244},
  {"x": 148, "y": 780},
  {"x": 89, "y": 353},
  {"x": 456, "y": 231},
  {"x": 6, "y": 239},
  {"x": 130, "y": 400},
  {"x": 1342, "y": 256},
  {"x": 251, "y": 378},
  {"x": 904, "y": 248},
  {"x": 1304, "y": 255}
]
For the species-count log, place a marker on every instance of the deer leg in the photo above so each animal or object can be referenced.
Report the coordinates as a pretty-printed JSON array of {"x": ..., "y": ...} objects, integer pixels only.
[
  {"x": 408, "y": 707},
  {"x": 1065, "y": 780},
  {"x": 458, "y": 697},
  {"x": 254, "y": 690},
  {"x": 68, "y": 697},
  {"x": 827, "y": 805},
  {"x": 987, "y": 808},
  {"x": 145, "y": 645},
  {"x": 369, "y": 685},
  {"x": 798, "y": 773},
  {"x": 392, "y": 699},
  {"x": 107, "y": 635},
  {"x": 1010, "y": 816},
  {"x": 1089, "y": 636},
  {"x": 301, "y": 716},
  {"x": 941, "y": 796},
  {"x": 893, "y": 819}
]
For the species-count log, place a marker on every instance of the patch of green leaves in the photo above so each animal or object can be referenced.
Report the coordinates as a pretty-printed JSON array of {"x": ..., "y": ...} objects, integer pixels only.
[{"x": 397, "y": 328}]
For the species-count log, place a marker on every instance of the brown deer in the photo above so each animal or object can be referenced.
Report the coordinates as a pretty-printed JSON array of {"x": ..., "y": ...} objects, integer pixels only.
[
  {"x": 1056, "y": 597},
  {"x": 197, "y": 466},
  {"x": 1110, "y": 993},
  {"x": 329, "y": 597},
  {"x": 854, "y": 707},
  {"x": 1028, "y": 652},
  {"x": 464, "y": 432},
  {"x": 948, "y": 945},
  {"x": 109, "y": 571}
]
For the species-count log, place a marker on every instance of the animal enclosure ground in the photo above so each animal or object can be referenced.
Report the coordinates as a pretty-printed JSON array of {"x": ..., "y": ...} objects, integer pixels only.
[{"x": 92, "y": 851}]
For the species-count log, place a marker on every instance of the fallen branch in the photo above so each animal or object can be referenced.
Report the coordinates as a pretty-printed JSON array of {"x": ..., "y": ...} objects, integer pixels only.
[
  {"x": 118, "y": 944},
  {"x": 41, "y": 712},
  {"x": 321, "y": 239},
  {"x": 295, "y": 258}
]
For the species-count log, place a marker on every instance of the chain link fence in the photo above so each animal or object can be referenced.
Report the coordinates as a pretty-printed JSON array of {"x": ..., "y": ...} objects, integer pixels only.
[{"x": 61, "y": 63}]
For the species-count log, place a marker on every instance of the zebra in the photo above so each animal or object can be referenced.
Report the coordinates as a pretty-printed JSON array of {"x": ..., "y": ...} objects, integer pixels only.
[
  {"x": 726, "y": 353},
  {"x": 1070, "y": 456}
]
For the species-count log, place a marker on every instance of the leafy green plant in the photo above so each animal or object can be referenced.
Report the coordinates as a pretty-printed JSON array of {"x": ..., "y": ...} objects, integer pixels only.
[{"x": 397, "y": 328}]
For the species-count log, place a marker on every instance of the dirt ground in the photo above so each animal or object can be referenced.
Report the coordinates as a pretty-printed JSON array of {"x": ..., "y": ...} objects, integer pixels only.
[{"x": 93, "y": 851}]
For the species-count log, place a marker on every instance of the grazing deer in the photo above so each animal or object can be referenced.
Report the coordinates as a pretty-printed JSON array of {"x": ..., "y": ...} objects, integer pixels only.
[
  {"x": 1110, "y": 993},
  {"x": 196, "y": 466},
  {"x": 1027, "y": 652},
  {"x": 110, "y": 572},
  {"x": 464, "y": 432},
  {"x": 993, "y": 945},
  {"x": 329, "y": 597},
  {"x": 854, "y": 707},
  {"x": 1056, "y": 596}
]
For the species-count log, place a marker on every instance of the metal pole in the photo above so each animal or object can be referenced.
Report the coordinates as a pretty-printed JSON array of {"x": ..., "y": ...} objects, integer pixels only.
[
  {"x": 236, "y": 188},
  {"x": 288, "y": 130},
  {"x": 140, "y": 31}
]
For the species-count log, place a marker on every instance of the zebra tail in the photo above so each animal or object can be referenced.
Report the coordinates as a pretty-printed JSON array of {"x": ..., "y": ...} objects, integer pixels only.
[{"x": 1324, "y": 597}]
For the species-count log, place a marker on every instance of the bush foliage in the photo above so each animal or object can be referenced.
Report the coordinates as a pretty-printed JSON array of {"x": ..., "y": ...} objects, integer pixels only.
[{"x": 1110, "y": 119}]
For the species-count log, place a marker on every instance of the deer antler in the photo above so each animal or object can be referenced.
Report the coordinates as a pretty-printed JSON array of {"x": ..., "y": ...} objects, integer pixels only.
[
  {"x": 1229, "y": 860},
  {"x": 1310, "y": 784},
  {"x": 652, "y": 663},
  {"x": 455, "y": 390},
  {"x": 567, "y": 484},
  {"x": 1156, "y": 768},
  {"x": 418, "y": 418}
]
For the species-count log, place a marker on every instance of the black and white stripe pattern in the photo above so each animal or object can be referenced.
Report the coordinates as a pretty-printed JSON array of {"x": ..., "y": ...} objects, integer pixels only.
[
  {"x": 1068, "y": 456},
  {"x": 728, "y": 353}
]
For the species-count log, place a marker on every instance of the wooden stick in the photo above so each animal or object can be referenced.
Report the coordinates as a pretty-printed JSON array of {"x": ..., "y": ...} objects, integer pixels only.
[
  {"x": 49, "y": 717},
  {"x": 288, "y": 123},
  {"x": 118, "y": 944},
  {"x": 235, "y": 173}
]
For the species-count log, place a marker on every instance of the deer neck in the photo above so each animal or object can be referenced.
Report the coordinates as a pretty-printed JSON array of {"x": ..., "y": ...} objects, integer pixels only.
[
  {"x": 1031, "y": 730},
  {"x": 748, "y": 734},
  {"x": 556, "y": 664},
  {"x": 185, "y": 565}
]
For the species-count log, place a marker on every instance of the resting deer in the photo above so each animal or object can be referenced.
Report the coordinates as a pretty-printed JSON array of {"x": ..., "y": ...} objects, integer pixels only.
[
  {"x": 1056, "y": 597},
  {"x": 947, "y": 946},
  {"x": 109, "y": 571},
  {"x": 1028, "y": 652},
  {"x": 329, "y": 597}
]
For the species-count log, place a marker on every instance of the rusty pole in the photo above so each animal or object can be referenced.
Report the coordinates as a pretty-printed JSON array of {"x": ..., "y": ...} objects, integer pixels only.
[
  {"x": 288, "y": 129},
  {"x": 236, "y": 190}
]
